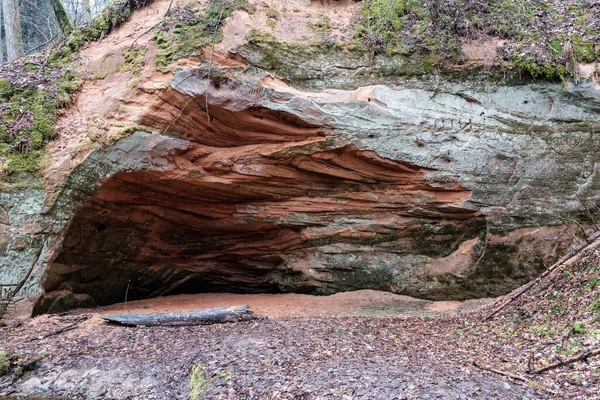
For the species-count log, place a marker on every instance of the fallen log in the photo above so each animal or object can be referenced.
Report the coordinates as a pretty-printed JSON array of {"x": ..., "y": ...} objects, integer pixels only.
[{"x": 197, "y": 317}]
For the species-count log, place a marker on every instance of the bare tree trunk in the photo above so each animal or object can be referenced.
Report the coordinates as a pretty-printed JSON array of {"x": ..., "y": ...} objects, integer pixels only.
[
  {"x": 61, "y": 17},
  {"x": 87, "y": 10},
  {"x": 12, "y": 29},
  {"x": 1, "y": 35}
]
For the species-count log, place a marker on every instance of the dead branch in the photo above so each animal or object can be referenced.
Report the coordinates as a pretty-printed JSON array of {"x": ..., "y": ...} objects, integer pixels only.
[
  {"x": 497, "y": 371},
  {"x": 581, "y": 357},
  {"x": 523, "y": 289},
  {"x": 63, "y": 329},
  {"x": 178, "y": 115}
]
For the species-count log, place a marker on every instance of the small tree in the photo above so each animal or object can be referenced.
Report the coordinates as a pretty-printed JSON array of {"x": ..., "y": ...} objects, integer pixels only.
[
  {"x": 12, "y": 29},
  {"x": 61, "y": 17}
]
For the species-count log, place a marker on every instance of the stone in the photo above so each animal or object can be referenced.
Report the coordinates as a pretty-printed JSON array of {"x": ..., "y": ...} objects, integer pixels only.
[
  {"x": 62, "y": 300},
  {"x": 325, "y": 181}
]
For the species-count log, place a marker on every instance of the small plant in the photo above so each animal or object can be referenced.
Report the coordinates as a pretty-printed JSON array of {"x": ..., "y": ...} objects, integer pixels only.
[
  {"x": 595, "y": 306},
  {"x": 544, "y": 330},
  {"x": 556, "y": 310},
  {"x": 578, "y": 328},
  {"x": 5, "y": 364},
  {"x": 199, "y": 383}
]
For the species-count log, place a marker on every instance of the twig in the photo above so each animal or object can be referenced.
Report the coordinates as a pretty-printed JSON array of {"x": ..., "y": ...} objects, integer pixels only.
[
  {"x": 566, "y": 223},
  {"x": 483, "y": 252},
  {"x": 126, "y": 293},
  {"x": 40, "y": 46},
  {"x": 63, "y": 329},
  {"x": 178, "y": 115},
  {"x": 496, "y": 371},
  {"x": 523, "y": 289},
  {"x": 580, "y": 228},
  {"x": 582, "y": 356},
  {"x": 588, "y": 211}
]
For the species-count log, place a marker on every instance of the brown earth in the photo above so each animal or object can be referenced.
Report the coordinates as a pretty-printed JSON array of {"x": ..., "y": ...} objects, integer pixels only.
[
  {"x": 310, "y": 347},
  {"x": 276, "y": 306},
  {"x": 360, "y": 345}
]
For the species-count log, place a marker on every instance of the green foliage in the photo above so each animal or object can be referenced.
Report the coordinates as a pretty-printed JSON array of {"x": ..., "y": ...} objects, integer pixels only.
[
  {"x": 578, "y": 328},
  {"x": 5, "y": 364},
  {"x": 199, "y": 383}
]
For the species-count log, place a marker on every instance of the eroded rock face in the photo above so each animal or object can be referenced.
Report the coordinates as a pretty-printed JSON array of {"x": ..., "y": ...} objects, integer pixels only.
[
  {"x": 439, "y": 190},
  {"x": 262, "y": 198}
]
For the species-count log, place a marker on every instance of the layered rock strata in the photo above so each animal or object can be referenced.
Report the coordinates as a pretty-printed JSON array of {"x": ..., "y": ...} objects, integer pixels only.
[{"x": 238, "y": 181}]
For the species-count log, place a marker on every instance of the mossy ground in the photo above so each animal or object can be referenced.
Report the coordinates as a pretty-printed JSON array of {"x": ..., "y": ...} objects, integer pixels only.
[
  {"x": 5, "y": 364},
  {"x": 545, "y": 38},
  {"x": 199, "y": 383},
  {"x": 31, "y": 96}
]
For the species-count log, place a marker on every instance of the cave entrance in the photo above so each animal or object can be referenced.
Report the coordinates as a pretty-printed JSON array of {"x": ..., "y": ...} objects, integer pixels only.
[
  {"x": 288, "y": 218},
  {"x": 157, "y": 234}
]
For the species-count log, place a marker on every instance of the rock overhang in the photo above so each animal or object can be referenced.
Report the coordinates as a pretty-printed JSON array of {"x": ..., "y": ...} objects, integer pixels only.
[{"x": 494, "y": 164}]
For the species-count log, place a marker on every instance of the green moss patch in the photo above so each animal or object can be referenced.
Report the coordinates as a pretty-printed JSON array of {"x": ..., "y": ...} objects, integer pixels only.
[
  {"x": 30, "y": 96},
  {"x": 544, "y": 38},
  {"x": 134, "y": 59},
  {"x": 187, "y": 30}
]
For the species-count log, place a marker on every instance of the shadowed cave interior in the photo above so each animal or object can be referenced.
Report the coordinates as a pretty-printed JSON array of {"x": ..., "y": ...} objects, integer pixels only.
[{"x": 253, "y": 217}]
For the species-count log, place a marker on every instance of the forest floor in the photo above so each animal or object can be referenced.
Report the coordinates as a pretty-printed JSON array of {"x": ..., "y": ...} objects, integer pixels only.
[{"x": 359, "y": 345}]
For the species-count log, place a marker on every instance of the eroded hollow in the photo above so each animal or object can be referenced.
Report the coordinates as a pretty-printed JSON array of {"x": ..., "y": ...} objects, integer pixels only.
[
  {"x": 283, "y": 221},
  {"x": 260, "y": 201}
]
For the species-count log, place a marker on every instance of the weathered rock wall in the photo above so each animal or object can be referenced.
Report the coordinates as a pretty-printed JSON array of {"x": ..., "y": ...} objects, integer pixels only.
[{"x": 442, "y": 189}]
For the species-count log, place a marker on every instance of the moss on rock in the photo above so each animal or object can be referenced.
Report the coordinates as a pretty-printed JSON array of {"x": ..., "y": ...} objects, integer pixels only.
[
  {"x": 539, "y": 35},
  {"x": 189, "y": 29}
]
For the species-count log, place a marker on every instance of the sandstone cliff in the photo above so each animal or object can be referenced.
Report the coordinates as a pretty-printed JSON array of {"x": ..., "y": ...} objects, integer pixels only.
[{"x": 278, "y": 160}]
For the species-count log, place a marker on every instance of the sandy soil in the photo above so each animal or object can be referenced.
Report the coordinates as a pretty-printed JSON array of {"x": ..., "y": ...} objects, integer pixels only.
[{"x": 361, "y": 302}]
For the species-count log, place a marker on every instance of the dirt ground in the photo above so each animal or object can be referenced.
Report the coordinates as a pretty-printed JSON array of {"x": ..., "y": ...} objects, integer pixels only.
[
  {"x": 358, "y": 303},
  {"x": 360, "y": 345}
]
